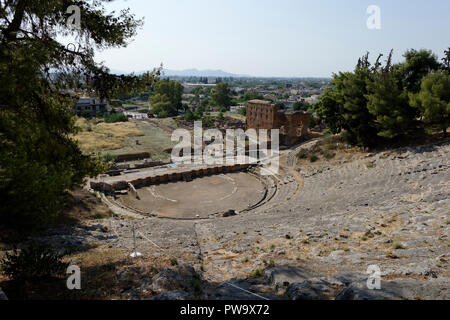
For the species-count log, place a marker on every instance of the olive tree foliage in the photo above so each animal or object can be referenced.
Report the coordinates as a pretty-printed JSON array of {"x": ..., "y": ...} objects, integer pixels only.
[{"x": 39, "y": 160}]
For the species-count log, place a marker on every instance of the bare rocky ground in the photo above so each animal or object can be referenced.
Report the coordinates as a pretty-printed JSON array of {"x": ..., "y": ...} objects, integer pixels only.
[{"x": 314, "y": 240}]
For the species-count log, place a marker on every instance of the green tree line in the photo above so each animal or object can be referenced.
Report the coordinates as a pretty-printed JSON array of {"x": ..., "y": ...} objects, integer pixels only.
[
  {"x": 166, "y": 101},
  {"x": 378, "y": 102}
]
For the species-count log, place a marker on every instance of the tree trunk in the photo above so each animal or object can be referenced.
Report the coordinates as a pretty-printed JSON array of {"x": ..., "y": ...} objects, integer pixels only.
[{"x": 14, "y": 26}]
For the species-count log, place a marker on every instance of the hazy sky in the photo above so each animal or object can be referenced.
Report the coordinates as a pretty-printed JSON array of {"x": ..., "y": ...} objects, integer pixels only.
[{"x": 276, "y": 37}]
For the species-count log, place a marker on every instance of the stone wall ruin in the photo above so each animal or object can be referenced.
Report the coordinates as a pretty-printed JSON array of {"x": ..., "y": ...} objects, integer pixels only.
[{"x": 293, "y": 125}]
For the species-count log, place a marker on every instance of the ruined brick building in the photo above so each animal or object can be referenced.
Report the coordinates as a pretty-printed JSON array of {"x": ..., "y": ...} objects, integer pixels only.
[{"x": 293, "y": 125}]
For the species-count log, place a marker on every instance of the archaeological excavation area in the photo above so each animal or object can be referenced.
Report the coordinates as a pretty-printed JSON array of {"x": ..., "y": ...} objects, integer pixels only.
[
  {"x": 192, "y": 192},
  {"x": 310, "y": 231},
  {"x": 200, "y": 198}
]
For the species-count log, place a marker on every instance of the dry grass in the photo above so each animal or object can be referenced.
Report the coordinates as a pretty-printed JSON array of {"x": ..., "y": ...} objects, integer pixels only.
[
  {"x": 96, "y": 137},
  {"x": 154, "y": 140},
  {"x": 169, "y": 122},
  {"x": 98, "y": 279},
  {"x": 83, "y": 206},
  {"x": 100, "y": 267},
  {"x": 234, "y": 116}
]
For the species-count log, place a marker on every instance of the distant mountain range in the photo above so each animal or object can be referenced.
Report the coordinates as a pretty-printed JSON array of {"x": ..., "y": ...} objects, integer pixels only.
[
  {"x": 212, "y": 74},
  {"x": 191, "y": 73},
  {"x": 202, "y": 73}
]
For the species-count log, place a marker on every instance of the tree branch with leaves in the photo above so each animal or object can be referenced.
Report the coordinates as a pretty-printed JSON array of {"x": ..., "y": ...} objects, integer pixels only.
[{"x": 39, "y": 159}]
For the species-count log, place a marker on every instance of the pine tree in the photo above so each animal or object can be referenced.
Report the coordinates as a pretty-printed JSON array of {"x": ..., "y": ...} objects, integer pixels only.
[
  {"x": 388, "y": 101},
  {"x": 221, "y": 95},
  {"x": 446, "y": 60},
  {"x": 39, "y": 160},
  {"x": 352, "y": 87},
  {"x": 433, "y": 100}
]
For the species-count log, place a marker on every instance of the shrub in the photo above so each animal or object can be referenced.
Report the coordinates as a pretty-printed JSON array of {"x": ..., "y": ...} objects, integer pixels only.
[
  {"x": 108, "y": 158},
  {"x": 162, "y": 114},
  {"x": 116, "y": 117},
  {"x": 398, "y": 245},
  {"x": 392, "y": 255},
  {"x": 256, "y": 274},
  {"x": 207, "y": 122},
  {"x": 189, "y": 116},
  {"x": 86, "y": 114},
  {"x": 302, "y": 155},
  {"x": 370, "y": 165},
  {"x": 329, "y": 155},
  {"x": 313, "y": 122},
  {"x": 34, "y": 261},
  {"x": 313, "y": 158},
  {"x": 196, "y": 285},
  {"x": 199, "y": 112}
]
